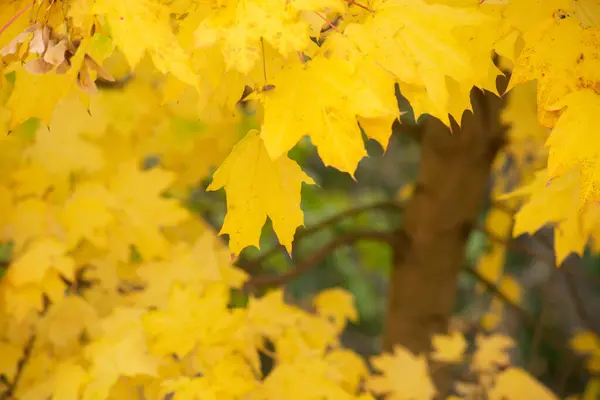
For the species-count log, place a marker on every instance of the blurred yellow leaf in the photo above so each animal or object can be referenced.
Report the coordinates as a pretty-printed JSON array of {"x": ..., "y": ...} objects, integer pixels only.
[
  {"x": 517, "y": 384},
  {"x": 403, "y": 376},
  {"x": 449, "y": 348}
]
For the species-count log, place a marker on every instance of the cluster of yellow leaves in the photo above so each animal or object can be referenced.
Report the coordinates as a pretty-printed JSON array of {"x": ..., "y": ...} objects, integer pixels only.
[
  {"x": 406, "y": 376},
  {"x": 76, "y": 196},
  {"x": 556, "y": 44},
  {"x": 211, "y": 50}
]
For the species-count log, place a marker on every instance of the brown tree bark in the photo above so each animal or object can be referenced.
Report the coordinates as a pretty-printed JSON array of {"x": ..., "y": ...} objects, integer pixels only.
[{"x": 430, "y": 249}]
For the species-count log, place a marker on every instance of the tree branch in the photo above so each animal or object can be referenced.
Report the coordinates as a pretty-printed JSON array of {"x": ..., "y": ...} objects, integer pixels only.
[
  {"x": 255, "y": 264},
  {"x": 11, "y": 386},
  {"x": 318, "y": 256}
]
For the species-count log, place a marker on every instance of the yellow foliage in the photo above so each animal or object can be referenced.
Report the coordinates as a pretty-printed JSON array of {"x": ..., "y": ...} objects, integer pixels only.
[
  {"x": 116, "y": 109},
  {"x": 275, "y": 187}
]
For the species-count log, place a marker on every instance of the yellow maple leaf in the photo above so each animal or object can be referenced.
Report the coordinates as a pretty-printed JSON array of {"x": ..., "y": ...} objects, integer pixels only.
[
  {"x": 562, "y": 57},
  {"x": 282, "y": 382},
  {"x": 188, "y": 319},
  {"x": 36, "y": 95},
  {"x": 137, "y": 26},
  {"x": 31, "y": 218},
  {"x": 374, "y": 98},
  {"x": 312, "y": 99},
  {"x": 270, "y": 315},
  {"x": 22, "y": 301},
  {"x": 65, "y": 379},
  {"x": 348, "y": 367},
  {"x": 403, "y": 376},
  {"x": 573, "y": 142},
  {"x": 555, "y": 200},
  {"x": 120, "y": 350},
  {"x": 517, "y": 384},
  {"x": 87, "y": 214},
  {"x": 182, "y": 266},
  {"x": 66, "y": 321},
  {"x": 449, "y": 348},
  {"x": 68, "y": 380},
  {"x": 43, "y": 255},
  {"x": 526, "y": 134},
  {"x": 414, "y": 40},
  {"x": 240, "y": 29},
  {"x": 491, "y": 352},
  {"x": 258, "y": 186},
  {"x": 337, "y": 304},
  {"x": 138, "y": 196},
  {"x": 63, "y": 152}
]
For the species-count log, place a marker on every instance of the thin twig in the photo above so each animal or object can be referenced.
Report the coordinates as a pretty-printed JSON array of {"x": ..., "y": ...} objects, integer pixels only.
[
  {"x": 254, "y": 265},
  {"x": 12, "y": 385},
  {"x": 316, "y": 257}
]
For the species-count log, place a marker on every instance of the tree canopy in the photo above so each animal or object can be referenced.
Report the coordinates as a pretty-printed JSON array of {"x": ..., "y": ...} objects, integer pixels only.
[{"x": 115, "y": 111}]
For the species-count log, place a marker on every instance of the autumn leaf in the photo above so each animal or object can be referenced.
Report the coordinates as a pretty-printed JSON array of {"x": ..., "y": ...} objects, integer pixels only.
[
  {"x": 42, "y": 256},
  {"x": 402, "y": 375},
  {"x": 140, "y": 26},
  {"x": 258, "y": 187},
  {"x": 449, "y": 348},
  {"x": 515, "y": 383},
  {"x": 491, "y": 352},
  {"x": 573, "y": 142},
  {"x": 336, "y": 304}
]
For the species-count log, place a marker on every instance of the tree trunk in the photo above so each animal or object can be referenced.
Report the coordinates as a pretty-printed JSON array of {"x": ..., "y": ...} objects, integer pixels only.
[{"x": 451, "y": 187}]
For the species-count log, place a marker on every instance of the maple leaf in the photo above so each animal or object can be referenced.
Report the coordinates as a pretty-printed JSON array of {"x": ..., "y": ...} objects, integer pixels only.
[
  {"x": 269, "y": 314},
  {"x": 336, "y": 304},
  {"x": 198, "y": 265},
  {"x": 240, "y": 29},
  {"x": 373, "y": 98},
  {"x": 526, "y": 134},
  {"x": 563, "y": 58},
  {"x": 311, "y": 99},
  {"x": 449, "y": 348},
  {"x": 491, "y": 352},
  {"x": 66, "y": 321},
  {"x": 515, "y": 383},
  {"x": 349, "y": 367},
  {"x": 414, "y": 40},
  {"x": 553, "y": 200},
  {"x": 66, "y": 380},
  {"x": 63, "y": 150},
  {"x": 120, "y": 351},
  {"x": 258, "y": 186},
  {"x": 403, "y": 375},
  {"x": 137, "y": 26},
  {"x": 138, "y": 196},
  {"x": 43, "y": 255},
  {"x": 36, "y": 95},
  {"x": 31, "y": 218},
  {"x": 573, "y": 142},
  {"x": 189, "y": 319},
  {"x": 87, "y": 214},
  {"x": 282, "y": 382}
]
